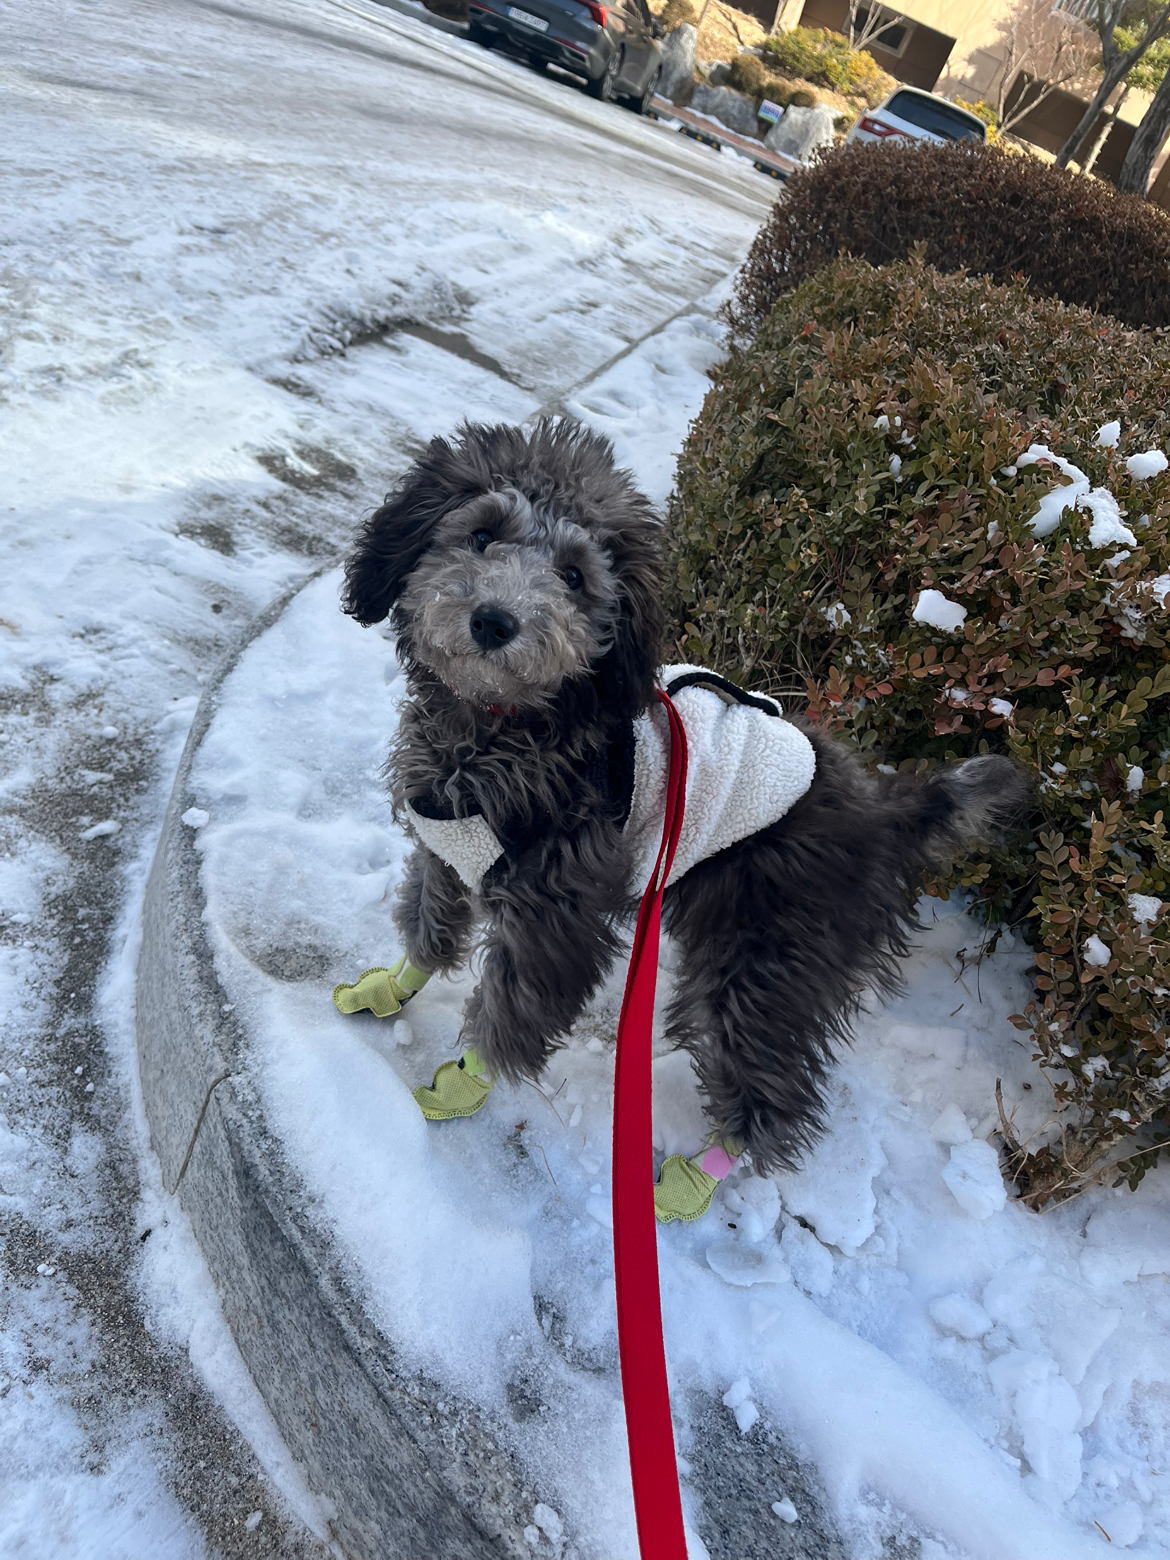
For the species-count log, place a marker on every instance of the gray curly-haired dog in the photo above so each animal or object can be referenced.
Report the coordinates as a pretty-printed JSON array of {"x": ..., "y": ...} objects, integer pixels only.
[{"x": 524, "y": 576}]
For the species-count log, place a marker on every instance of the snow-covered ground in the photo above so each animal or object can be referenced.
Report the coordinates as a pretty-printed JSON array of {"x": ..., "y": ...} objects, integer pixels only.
[
  {"x": 212, "y": 215},
  {"x": 962, "y": 1373},
  {"x": 253, "y": 252}
]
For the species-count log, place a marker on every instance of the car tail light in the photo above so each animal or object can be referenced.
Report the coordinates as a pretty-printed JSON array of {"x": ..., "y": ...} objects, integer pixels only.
[
  {"x": 596, "y": 11},
  {"x": 876, "y": 127}
]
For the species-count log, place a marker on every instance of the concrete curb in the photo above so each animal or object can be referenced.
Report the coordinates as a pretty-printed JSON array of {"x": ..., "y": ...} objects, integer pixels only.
[{"x": 407, "y": 1470}]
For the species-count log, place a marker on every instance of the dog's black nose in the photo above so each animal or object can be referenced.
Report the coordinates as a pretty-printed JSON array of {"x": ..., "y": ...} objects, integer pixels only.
[{"x": 492, "y": 627}]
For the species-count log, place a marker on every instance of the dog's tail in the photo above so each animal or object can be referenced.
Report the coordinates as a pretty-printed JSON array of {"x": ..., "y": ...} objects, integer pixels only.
[{"x": 972, "y": 803}]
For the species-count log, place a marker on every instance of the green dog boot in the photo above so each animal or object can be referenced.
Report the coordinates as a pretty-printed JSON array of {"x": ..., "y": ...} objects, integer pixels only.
[
  {"x": 685, "y": 1187},
  {"x": 459, "y": 1089},
  {"x": 382, "y": 991}
]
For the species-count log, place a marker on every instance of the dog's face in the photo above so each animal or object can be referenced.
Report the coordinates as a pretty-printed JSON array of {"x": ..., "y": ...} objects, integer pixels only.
[
  {"x": 510, "y": 600},
  {"x": 515, "y": 562}
]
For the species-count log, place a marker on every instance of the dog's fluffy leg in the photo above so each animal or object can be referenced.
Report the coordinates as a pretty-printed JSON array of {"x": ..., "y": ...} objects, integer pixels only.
[
  {"x": 550, "y": 941},
  {"x": 782, "y": 933},
  {"x": 433, "y": 913},
  {"x": 759, "y": 1046}
]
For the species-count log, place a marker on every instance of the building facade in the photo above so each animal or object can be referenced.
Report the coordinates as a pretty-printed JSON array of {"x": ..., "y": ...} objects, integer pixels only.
[{"x": 957, "y": 48}]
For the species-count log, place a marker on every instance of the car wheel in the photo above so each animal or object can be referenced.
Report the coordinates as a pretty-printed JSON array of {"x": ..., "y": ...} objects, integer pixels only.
[
  {"x": 479, "y": 35},
  {"x": 641, "y": 105},
  {"x": 605, "y": 86}
]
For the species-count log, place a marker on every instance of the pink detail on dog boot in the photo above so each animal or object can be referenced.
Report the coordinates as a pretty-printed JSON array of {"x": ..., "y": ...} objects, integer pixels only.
[{"x": 717, "y": 1162}]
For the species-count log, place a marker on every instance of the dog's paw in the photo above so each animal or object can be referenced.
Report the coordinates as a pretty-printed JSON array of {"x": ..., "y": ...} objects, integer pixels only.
[
  {"x": 458, "y": 1089},
  {"x": 381, "y": 991},
  {"x": 685, "y": 1187}
]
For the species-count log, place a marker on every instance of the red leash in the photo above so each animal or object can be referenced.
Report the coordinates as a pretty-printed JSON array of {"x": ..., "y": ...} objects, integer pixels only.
[{"x": 653, "y": 1469}]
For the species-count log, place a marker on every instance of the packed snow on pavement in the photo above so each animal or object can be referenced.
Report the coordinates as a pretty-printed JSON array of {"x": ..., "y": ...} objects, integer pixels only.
[
  {"x": 255, "y": 253},
  {"x": 252, "y": 255}
]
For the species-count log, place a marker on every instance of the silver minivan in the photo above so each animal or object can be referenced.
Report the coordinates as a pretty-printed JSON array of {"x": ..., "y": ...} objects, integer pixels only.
[{"x": 914, "y": 115}]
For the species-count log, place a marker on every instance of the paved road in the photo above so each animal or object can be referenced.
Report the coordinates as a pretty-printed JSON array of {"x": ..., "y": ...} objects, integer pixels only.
[{"x": 252, "y": 254}]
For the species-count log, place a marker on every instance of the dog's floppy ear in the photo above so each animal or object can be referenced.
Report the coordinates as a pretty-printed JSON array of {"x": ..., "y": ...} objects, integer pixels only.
[
  {"x": 626, "y": 674},
  {"x": 394, "y": 538}
]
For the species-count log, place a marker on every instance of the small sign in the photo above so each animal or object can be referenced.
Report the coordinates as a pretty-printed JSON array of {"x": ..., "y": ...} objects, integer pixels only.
[{"x": 772, "y": 112}]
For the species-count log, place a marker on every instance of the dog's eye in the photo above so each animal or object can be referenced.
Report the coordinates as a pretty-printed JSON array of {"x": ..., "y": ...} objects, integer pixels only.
[
  {"x": 481, "y": 540},
  {"x": 574, "y": 579}
]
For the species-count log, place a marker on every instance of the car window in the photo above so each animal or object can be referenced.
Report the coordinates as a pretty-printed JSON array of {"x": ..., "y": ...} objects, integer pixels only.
[{"x": 936, "y": 116}]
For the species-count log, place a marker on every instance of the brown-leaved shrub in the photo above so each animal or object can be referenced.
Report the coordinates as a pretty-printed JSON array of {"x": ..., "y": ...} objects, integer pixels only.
[
  {"x": 979, "y": 209},
  {"x": 903, "y": 507}
]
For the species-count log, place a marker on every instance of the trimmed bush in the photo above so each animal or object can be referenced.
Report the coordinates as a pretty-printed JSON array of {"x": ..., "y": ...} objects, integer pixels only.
[
  {"x": 676, "y": 13},
  {"x": 868, "y": 519},
  {"x": 975, "y": 208},
  {"x": 825, "y": 59},
  {"x": 750, "y": 75}
]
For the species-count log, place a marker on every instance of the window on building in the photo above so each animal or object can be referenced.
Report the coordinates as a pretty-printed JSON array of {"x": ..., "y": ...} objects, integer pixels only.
[{"x": 892, "y": 39}]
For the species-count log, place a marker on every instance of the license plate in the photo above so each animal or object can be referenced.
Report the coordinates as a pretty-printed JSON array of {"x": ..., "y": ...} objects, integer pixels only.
[{"x": 526, "y": 19}]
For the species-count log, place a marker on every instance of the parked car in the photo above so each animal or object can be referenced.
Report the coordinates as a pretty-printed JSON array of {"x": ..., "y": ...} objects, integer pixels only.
[
  {"x": 919, "y": 116},
  {"x": 613, "y": 45}
]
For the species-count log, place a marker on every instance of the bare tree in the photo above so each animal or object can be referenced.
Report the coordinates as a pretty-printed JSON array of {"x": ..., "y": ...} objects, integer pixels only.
[
  {"x": 1151, "y": 135},
  {"x": 1045, "y": 50},
  {"x": 869, "y": 22},
  {"x": 1108, "y": 120},
  {"x": 1117, "y": 62}
]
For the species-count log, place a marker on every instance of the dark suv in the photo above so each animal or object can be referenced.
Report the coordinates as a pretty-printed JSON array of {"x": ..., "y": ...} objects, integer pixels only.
[{"x": 614, "y": 46}]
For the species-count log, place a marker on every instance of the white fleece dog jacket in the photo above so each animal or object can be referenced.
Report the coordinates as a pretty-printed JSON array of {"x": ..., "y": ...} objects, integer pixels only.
[{"x": 746, "y": 766}]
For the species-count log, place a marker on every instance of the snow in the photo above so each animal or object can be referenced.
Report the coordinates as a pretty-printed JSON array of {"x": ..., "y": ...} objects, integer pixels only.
[
  {"x": 1003, "y": 707},
  {"x": 212, "y": 217},
  {"x": 194, "y": 242},
  {"x": 950, "y": 1127},
  {"x": 961, "y": 1315},
  {"x": 938, "y": 611},
  {"x": 1135, "y": 779},
  {"x": 886, "y": 1304},
  {"x": 1106, "y": 528},
  {"x": 785, "y": 1510},
  {"x": 1095, "y": 952},
  {"x": 974, "y": 1179},
  {"x": 1147, "y": 464},
  {"x": 1144, "y": 907},
  {"x": 1161, "y": 589},
  {"x": 1054, "y": 503}
]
